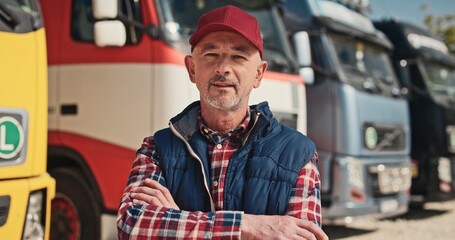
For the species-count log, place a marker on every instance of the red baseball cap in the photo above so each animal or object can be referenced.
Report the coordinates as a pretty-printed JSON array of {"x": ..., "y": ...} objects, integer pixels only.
[{"x": 228, "y": 18}]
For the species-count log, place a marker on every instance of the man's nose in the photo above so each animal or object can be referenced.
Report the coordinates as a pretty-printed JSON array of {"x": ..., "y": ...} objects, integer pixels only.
[{"x": 224, "y": 66}]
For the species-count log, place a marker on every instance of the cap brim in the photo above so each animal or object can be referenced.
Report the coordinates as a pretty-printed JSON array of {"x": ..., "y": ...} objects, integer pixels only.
[{"x": 215, "y": 27}]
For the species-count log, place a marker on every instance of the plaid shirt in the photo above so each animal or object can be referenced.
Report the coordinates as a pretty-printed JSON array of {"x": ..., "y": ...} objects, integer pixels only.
[{"x": 147, "y": 221}]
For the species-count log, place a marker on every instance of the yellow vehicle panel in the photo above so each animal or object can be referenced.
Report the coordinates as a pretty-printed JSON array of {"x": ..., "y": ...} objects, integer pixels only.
[
  {"x": 26, "y": 189},
  {"x": 23, "y": 81}
]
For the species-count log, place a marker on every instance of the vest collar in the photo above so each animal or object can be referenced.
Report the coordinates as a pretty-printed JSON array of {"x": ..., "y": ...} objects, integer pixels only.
[{"x": 186, "y": 123}]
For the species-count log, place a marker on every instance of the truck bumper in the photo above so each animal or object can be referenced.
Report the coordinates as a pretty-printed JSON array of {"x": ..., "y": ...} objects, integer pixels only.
[
  {"x": 15, "y": 199},
  {"x": 434, "y": 181},
  {"x": 376, "y": 187}
]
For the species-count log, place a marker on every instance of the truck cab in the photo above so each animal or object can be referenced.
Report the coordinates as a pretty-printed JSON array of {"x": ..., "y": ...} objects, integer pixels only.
[
  {"x": 357, "y": 113},
  {"x": 429, "y": 73},
  {"x": 26, "y": 189}
]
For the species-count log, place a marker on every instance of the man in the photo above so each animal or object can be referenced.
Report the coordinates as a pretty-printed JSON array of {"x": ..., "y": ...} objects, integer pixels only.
[{"x": 224, "y": 169}]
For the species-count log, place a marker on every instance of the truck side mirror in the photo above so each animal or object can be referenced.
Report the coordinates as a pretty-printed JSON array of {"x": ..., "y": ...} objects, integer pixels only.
[
  {"x": 107, "y": 32},
  {"x": 105, "y": 9},
  {"x": 302, "y": 47}
]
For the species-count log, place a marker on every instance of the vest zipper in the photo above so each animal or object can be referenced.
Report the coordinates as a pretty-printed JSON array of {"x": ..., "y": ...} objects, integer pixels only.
[
  {"x": 193, "y": 154},
  {"x": 247, "y": 135}
]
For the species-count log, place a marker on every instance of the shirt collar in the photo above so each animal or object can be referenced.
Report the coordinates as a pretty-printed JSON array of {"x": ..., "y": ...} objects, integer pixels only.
[{"x": 216, "y": 137}]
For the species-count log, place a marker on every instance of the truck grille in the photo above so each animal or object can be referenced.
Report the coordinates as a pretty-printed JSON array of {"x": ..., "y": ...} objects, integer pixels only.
[
  {"x": 389, "y": 180},
  {"x": 4, "y": 209},
  {"x": 384, "y": 138}
]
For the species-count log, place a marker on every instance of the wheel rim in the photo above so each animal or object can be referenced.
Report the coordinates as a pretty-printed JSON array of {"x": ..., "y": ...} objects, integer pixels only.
[{"x": 65, "y": 222}]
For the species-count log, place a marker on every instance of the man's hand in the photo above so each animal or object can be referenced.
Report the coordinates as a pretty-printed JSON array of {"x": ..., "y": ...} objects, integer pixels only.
[
  {"x": 279, "y": 227},
  {"x": 153, "y": 193}
]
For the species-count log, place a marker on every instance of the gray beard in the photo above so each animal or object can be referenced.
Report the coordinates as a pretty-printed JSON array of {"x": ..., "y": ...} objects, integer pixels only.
[{"x": 232, "y": 105}]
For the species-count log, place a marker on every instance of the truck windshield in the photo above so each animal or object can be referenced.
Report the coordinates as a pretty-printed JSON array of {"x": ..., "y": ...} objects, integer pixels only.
[
  {"x": 180, "y": 19},
  {"x": 16, "y": 16},
  {"x": 363, "y": 62},
  {"x": 21, "y": 5},
  {"x": 440, "y": 78}
]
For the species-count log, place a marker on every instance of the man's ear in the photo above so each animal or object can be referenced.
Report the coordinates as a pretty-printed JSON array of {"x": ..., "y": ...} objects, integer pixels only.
[
  {"x": 189, "y": 64},
  {"x": 260, "y": 73}
]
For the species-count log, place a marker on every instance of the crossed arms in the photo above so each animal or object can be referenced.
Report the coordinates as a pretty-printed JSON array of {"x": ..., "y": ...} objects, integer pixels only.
[{"x": 148, "y": 210}]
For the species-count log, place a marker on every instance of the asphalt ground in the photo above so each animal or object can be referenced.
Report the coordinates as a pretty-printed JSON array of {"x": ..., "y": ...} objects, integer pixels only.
[{"x": 434, "y": 221}]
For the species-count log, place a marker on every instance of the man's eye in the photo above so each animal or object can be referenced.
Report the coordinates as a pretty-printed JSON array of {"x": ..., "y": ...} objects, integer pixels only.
[{"x": 238, "y": 57}]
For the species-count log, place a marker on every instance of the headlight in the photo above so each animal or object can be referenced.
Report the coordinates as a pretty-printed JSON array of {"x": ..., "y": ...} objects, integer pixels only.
[
  {"x": 355, "y": 173},
  {"x": 445, "y": 175},
  {"x": 34, "y": 222},
  {"x": 451, "y": 138},
  {"x": 444, "y": 168}
]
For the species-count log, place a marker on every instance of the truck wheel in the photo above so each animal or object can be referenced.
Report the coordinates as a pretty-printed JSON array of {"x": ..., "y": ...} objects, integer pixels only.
[{"x": 75, "y": 213}]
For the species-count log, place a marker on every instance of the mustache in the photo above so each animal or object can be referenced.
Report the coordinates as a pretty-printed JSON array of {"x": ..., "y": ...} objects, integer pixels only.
[{"x": 219, "y": 78}]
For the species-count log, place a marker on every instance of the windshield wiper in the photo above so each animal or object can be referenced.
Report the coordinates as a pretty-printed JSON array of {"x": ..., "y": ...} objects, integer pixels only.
[
  {"x": 355, "y": 70},
  {"x": 370, "y": 83},
  {"x": 7, "y": 16}
]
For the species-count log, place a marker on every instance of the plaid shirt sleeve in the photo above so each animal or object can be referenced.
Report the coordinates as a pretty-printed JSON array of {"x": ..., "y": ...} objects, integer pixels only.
[
  {"x": 305, "y": 201},
  {"x": 149, "y": 222}
]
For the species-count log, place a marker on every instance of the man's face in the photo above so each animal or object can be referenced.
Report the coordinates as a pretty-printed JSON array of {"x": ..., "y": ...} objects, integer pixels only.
[{"x": 225, "y": 67}]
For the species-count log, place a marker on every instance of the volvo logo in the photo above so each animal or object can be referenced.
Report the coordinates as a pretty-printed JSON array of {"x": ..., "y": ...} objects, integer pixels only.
[{"x": 371, "y": 137}]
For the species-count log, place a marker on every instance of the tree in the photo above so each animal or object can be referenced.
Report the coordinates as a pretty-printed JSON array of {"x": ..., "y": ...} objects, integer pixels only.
[{"x": 442, "y": 27}]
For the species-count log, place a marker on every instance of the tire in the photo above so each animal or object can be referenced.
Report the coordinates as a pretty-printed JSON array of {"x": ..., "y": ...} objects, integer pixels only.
[{"x": 75, "y": 213}]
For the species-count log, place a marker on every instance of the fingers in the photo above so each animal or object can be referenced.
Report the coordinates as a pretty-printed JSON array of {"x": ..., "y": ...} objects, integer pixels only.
[
  {"x": 141, "y": 198},
  {"x": 312, "y": 229},
  {"x": 153, "y": 193},
  {"x": 281, "y": 227},
  {"x": 305, "y": 234},
  {"x": 163, "y": 190}
]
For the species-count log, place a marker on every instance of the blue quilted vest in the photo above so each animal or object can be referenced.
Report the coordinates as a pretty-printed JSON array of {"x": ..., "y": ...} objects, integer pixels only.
[{"x": 260, "y": 176}]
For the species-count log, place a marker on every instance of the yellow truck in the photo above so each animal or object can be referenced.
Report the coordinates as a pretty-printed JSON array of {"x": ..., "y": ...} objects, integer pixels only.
[{"x": 26, "y": 189}]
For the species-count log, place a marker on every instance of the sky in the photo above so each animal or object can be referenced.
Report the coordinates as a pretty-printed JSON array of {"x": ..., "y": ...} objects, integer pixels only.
[{"x": 410, "y": 10}]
